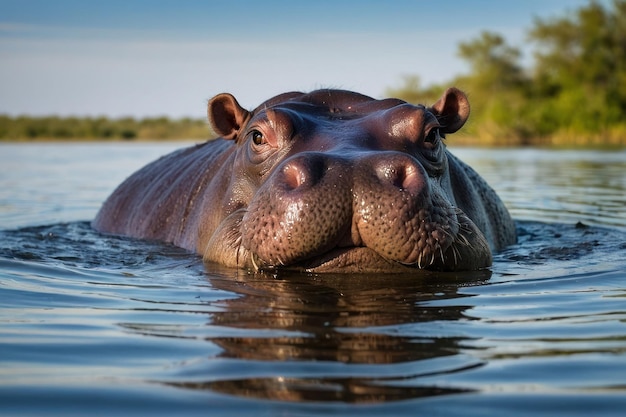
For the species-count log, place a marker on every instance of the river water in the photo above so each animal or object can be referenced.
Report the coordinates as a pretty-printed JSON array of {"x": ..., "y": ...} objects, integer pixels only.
[{"x": 100, "y": 325}]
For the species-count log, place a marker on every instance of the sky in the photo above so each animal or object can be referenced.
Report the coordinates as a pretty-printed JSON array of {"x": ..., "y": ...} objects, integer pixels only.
[{"x": 148, "y": 58}]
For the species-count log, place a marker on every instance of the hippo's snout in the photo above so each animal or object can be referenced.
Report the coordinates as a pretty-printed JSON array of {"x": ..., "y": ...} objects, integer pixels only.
[
  {"x": 315, "y": 205},
  {"x": 398, "y": 213},
  {"x": 388, "y": 169}
]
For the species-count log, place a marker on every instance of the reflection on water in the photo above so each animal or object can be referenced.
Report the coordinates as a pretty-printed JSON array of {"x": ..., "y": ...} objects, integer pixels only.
[
  {"x": 328, "y": 319},
  {"x": 127, "y": 327}
]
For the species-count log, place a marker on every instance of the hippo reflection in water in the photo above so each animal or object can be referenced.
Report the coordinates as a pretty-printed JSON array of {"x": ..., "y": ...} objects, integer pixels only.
[{"x": 329, "y": 181}]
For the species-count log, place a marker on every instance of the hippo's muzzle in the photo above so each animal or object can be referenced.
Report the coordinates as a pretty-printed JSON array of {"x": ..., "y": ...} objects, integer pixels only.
[{"x": 371, "y": 212}]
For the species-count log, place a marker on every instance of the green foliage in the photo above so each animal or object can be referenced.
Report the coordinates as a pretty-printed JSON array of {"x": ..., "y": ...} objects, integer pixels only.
[
  {"x": 412, "y": 91},
  {"x": 100, "y": 128},
  {"x": 574, "y": 94},
  {"x": 495, "y": 65}
]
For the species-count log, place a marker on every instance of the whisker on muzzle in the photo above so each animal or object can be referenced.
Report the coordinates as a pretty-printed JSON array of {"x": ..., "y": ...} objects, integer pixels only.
[{"x": 254, "y": 264}]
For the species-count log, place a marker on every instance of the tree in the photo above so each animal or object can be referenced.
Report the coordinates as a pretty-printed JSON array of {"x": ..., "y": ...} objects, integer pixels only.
[
  {"x": 581, "y": 65},
  {"x": 411, "y": 91},
  {"x": 494, "y": 64},
  {"x": 574, "y": 92}
]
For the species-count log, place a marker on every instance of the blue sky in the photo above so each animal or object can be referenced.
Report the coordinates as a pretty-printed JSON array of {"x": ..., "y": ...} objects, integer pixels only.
[{"x": 168, "y": 57}]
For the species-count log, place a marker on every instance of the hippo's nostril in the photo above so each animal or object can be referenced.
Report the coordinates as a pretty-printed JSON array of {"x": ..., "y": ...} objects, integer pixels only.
[
  {"x": 411, "y": 180},
  {"x": 404, "y": 176},
  {"x": 391, "y": 175},
  {"x": 294, "y": 176},
  {"x": 304, "y": 171}
]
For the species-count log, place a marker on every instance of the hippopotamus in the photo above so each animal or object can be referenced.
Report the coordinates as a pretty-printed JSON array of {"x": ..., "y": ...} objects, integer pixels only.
[{"x": 325, "y": 181}]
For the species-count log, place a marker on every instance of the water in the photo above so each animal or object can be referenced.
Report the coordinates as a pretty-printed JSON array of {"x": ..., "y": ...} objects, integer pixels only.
[{"x": 93, "y": 324}]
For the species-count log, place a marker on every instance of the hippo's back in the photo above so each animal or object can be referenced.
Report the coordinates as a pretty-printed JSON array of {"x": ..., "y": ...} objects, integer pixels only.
[{"x": 156, "y": 202}]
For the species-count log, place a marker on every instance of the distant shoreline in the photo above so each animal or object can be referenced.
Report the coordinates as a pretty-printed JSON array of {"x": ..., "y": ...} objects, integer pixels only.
[
  {"x": 102, "y": 140},
  {"x": 466, "y": 142},
  {"x": 24, "y": 129},
  {"x": 46, "y": 128}
]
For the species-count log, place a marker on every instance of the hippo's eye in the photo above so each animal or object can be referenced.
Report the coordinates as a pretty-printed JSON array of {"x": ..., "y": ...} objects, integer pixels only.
[
  {"x": 432, "y": 137},
  {"x": 257, "y": 137}
]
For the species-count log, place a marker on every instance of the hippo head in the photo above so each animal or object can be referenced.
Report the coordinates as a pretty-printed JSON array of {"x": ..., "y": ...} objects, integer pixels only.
[{"x": 337, "y": 181}]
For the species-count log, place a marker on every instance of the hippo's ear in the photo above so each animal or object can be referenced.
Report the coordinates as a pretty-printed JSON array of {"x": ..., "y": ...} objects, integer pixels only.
[
  {"x": 226, "y": 116},
  {"x": 452, "y": 110}
]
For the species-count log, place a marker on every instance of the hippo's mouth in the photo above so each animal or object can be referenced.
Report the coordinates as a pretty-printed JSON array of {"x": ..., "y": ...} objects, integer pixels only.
[
  {"x": 467, "y": 250},
  {"x": 351, "y": 260}
]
